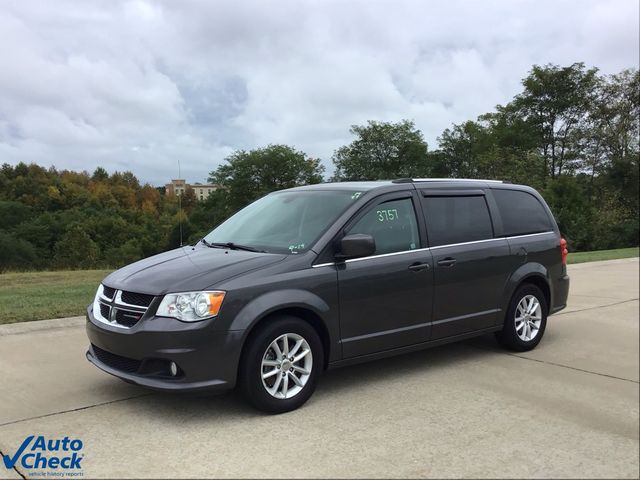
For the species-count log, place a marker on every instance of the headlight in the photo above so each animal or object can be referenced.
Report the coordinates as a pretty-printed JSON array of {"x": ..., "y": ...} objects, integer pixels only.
[{"x": 191, "y": 306}]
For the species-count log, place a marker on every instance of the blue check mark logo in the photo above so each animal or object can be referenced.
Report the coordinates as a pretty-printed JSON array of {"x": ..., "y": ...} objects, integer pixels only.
[{"x": 10, "y": 462}]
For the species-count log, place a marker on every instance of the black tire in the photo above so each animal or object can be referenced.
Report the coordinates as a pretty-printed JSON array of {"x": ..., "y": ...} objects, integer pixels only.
[
  {"x": 508, "y": 336},
  {"x": 250, "y": 375}
]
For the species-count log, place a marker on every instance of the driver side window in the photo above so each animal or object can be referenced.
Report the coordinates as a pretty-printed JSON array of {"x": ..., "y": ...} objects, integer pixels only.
[{"x": 392, "y": 224}]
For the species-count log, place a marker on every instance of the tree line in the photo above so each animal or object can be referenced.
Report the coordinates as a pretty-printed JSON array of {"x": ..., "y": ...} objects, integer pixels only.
[{"x": 571, "y": 133}]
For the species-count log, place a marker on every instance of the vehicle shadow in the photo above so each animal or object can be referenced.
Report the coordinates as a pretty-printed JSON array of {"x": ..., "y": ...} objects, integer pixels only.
[
  {"x": 406, "y": 365},
  {"x": 230, "y": 406}
]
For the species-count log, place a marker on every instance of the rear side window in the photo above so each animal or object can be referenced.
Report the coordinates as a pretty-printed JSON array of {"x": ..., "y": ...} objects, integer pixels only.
[
  {"x": 521, "y": 212},
  {"x": 457, "y": 219},
  {"x": 392, "y": 224}
]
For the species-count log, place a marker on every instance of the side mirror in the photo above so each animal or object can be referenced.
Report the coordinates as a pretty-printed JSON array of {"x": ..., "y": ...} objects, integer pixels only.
[{"x": 356, "y": 245}]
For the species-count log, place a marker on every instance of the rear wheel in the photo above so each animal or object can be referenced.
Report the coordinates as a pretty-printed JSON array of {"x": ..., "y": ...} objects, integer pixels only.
[
  {"x": 526, "y": 319},
  {"x": 281, "y": 364}
]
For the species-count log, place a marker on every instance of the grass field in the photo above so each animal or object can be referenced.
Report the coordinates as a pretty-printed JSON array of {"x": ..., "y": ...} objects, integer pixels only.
[
  {"x": 40, "y": 295},
  {"x": 581, "y": 257}
]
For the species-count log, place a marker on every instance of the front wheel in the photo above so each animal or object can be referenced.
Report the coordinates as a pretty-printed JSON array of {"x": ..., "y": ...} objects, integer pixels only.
[
  {"x": 281, "y": 364},
  {"x": 526, "y": 319}
]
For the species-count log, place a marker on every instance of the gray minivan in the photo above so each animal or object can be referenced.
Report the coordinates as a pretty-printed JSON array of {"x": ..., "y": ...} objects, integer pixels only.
[{"x": 327, "y": 275}]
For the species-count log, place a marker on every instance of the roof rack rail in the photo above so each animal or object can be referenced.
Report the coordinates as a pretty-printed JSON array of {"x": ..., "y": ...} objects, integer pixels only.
[
  {"x": 402, "y": 180},
  {"x": 411, "y": 180}
]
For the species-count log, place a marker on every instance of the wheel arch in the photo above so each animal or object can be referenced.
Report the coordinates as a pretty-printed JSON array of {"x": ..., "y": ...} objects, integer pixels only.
[
  {"x": 298, "y": 303},
  {"x": 533, "y": 273},
  {"x": 542, "y": 284}
]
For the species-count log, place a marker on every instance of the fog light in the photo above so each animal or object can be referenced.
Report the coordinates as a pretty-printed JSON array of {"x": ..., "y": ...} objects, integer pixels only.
[{"x": 173, "y": 369}]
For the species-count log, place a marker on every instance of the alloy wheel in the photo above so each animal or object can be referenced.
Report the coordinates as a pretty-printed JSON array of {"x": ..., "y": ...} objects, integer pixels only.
[
  {"x": 528, "y": 318},
  {"x": 286, "y": 365}
]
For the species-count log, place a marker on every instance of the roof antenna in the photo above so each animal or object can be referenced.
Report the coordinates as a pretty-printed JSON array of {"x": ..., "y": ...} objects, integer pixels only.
[{"x": 180, "y": 205}]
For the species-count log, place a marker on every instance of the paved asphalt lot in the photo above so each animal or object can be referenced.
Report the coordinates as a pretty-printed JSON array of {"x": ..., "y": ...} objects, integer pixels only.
[{"x": 569, "y": 408}]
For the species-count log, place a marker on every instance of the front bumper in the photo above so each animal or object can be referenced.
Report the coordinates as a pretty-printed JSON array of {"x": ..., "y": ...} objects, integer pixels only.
[{"x": 207, "y": 359}]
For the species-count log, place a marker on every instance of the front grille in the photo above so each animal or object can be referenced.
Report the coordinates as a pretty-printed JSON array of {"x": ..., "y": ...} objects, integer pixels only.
[
  {"x": 108, "y": 292},
  {"x": 127, "y": 318},
  {"x": 133, "y": 298},
  {"x": 116, "y": 361},
  {"x": 105, "y": 310},
  {"x": 120, "y": 308}
]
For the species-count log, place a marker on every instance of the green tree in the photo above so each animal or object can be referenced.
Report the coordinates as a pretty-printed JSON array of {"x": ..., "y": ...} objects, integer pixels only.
[
  {"x": 497, "y": 146},
  {"x": 16, "y": 253},
  {"x": 76, "y": 250},
  {"x": 612, "y": 134},
  {"x": 123, "y": 254},
  {"x": 100, "y": 175},
  {"x": 573, "y": 135},
  {"x": 555, "y": 100},
  {"x": 248, "y": 175},
  {"x": 207, "y": 215},
  {"x": 571, "y": 207},
  {"x": 382, "y": 150},
  {"x": 609, "y": 140},
  {"x": 181, "y": 231},
  {"x": 461, "y": 147},
  {"x": 13, "y": 213}
]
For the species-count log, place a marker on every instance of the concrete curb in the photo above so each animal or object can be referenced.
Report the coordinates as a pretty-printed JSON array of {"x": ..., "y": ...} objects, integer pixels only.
[
  {"x": 601, "y": 263},
  {"x": 38, "y": 325}
]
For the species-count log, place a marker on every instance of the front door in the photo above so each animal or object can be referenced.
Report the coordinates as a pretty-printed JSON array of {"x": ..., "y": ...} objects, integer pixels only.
[{"x": 386, "y": 298}]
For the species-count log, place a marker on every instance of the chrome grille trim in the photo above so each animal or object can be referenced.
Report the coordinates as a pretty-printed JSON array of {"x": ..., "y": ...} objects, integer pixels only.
[
  {"x": 116, "y": 305},
  {"x": 129, "y": 306}
]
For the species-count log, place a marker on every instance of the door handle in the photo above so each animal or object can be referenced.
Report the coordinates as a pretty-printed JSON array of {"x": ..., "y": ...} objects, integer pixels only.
[
  {"x": 416, "y": 267},
  {"x": 447, "y": 262}
]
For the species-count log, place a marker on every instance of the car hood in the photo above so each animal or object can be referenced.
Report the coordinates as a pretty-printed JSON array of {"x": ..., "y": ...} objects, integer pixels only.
[{"x": 187, "y": 269}]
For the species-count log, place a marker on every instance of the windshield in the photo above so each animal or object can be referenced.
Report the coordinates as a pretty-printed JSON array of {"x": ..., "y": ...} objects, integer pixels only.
[{"x": 283, "y": 222}]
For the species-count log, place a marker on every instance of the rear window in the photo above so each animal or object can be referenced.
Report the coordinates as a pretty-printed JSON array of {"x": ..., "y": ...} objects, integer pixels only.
[
  {"x": 521, "y": 212},
  {"x": 457, "y": 219}
]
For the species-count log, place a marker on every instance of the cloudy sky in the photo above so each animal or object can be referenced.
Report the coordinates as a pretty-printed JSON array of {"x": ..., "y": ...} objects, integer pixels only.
[{"x": 139, "y": 85}]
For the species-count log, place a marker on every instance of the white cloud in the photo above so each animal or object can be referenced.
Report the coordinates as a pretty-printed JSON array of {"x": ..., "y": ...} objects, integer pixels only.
[{"x": 140, "y": 85}]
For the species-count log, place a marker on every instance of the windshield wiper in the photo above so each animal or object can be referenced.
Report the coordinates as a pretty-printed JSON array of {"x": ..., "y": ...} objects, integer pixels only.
[{"x": 232, "y": 246}]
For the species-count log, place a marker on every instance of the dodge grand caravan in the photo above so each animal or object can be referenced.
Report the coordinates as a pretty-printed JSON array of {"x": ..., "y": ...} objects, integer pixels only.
[{"x": 327, "y": 275}]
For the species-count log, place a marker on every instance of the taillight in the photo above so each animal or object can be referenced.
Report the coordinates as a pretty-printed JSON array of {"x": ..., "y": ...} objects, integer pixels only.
[{"x": 563, "y": 251}]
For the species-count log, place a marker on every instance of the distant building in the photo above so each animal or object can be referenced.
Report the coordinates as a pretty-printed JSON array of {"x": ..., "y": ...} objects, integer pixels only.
[{"x": 202, "y": 190}]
